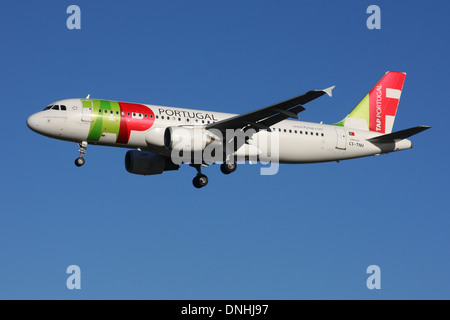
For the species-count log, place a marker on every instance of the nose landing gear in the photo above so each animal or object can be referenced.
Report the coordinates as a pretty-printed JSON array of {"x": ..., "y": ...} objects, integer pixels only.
[{"x": 80, "y": 160}]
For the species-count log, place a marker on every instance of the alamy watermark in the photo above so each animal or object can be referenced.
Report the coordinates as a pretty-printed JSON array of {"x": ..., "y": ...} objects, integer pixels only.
[
  {"x": 374, "y": 20},
  {"x": 74, "y": 20},
  {"x": 196, "y": 145},
  {"x": 374, "y": 280},
  {"x": 74, "y": 280}
]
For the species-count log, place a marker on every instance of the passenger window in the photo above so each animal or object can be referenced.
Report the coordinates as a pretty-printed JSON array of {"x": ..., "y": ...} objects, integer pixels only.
[
  {"x": 306, "y": 132},
  {"x": 284, "y": 130},
  {"x": 99, "y": 110},
  {"x": 187, "y": 120},
  {"x": 117, "y": 112},
  {"x": 145, "y": 115},
  {"x": 162, "y": 117},
  {"x": 322, "y": 134},
  {"x": 317, "y": 133},
  {"x": 290, "y": 131},
  {"x": 112, "y": 112},
  {"x": 106, "y": 111},
  {"x": 63, "y": 108},
  {"x": 295, "y": 131},
  {"x": 128, "y": 113}
]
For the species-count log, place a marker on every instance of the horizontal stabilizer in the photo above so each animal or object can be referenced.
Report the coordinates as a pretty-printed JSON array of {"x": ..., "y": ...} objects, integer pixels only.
[{"x": 399, "y": 135}]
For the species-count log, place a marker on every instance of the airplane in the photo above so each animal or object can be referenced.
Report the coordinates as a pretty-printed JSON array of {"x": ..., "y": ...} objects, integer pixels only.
[{"x": 157, "y": 133}]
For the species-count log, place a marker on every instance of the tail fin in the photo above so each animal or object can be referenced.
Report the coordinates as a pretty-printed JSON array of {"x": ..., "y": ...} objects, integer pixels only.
[{"x": 377, "y": 110}]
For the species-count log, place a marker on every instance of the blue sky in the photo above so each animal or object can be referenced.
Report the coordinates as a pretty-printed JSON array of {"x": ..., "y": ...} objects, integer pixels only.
[{"x": 308, "y": 232}]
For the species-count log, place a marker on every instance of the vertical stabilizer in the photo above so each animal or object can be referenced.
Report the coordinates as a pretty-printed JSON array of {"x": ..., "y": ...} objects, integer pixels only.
[{"x": 377, "y": 110}]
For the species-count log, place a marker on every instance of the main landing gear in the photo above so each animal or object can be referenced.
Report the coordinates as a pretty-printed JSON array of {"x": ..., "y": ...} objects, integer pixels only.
[
  {"x": 200, "y": 180},
  {"x": 228, "y": 168},
  {"x": 80, "y": 160}
]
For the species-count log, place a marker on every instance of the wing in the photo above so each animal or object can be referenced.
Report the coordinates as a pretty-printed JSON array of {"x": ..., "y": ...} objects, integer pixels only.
[{"x": 263, "y": 118}]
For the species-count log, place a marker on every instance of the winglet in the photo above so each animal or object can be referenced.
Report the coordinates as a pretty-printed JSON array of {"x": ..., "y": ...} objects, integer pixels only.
[{"x": 329, "y": 90}]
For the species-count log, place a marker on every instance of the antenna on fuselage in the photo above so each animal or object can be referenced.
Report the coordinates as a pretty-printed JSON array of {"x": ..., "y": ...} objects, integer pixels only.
[{"x": 88, "y": 96}]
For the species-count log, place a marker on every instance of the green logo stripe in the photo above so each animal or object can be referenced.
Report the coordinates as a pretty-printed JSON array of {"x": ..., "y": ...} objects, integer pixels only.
[
  {"x": 362, "y": 110},
  {"x": 96, "y": 126},
  {"x": 105, "y": 117},
  {"x": 111, "y": 118}
]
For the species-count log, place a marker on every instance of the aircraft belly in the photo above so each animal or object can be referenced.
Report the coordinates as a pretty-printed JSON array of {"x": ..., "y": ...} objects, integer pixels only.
[
  {"x": 313, "y": 149},
  {"x": 303, "y": 150},
  {"x": 137, "y": 139}
]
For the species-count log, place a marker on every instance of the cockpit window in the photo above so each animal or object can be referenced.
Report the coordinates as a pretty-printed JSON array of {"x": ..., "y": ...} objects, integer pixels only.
[{"x": 55, "y": 107}]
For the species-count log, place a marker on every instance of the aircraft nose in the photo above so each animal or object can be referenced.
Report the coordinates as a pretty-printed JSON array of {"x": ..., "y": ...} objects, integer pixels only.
[{"x": 33, "y": 122}]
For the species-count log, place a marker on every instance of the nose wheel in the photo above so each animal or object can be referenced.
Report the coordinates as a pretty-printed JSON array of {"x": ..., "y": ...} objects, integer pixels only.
[{"x": 80, "y": 160}]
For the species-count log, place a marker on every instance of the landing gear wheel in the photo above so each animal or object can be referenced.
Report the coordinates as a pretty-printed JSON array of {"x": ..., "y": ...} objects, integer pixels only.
[
  {"x": 79, "y": 161},
  {"x": 200, "y": 181},
  {"x": 228, "y": 168}
]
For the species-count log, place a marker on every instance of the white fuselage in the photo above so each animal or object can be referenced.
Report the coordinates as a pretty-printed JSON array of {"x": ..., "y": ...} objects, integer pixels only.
[{"x": 142, "y": 126}]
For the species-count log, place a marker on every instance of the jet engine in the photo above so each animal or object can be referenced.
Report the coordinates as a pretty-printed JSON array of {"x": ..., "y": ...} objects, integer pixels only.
[
  {"x": 147, "y": 163},
  {"x": 188, "y": 139}
]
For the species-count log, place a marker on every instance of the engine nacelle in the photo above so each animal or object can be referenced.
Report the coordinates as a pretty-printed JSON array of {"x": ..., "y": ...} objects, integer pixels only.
[
  {"x": 155, "y": 137},
  {"x": 147, "y": 163},
  {"x": 187, "y": 139}
]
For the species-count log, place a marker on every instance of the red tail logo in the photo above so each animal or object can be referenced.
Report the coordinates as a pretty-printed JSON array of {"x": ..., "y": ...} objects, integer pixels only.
[{"x": 383, "y": 101}]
